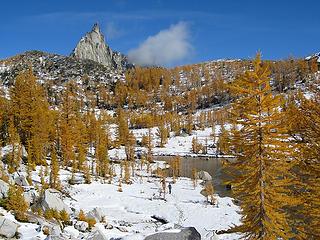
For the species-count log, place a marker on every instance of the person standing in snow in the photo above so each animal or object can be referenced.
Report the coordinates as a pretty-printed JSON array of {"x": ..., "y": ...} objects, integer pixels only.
[{"x": 169, "y": 186}]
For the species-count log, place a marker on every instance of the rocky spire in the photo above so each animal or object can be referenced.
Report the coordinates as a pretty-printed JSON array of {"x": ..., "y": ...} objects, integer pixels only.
[{"x": 93, "y": 46}]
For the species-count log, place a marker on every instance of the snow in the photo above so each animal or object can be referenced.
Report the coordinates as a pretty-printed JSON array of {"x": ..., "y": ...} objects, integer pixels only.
[
  {"x": 27, "y": 230},
  {"x": 141, "y": 200},
  {"x": 133, "y": 208},
  {"x": 176, "y": 145}
]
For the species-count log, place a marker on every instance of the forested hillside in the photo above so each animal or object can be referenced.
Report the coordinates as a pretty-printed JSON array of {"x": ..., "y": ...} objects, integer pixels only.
[{"x": 65, "y": 114}]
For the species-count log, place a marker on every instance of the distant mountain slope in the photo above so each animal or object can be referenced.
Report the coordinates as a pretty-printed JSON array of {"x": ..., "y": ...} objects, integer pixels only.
[
  {"x": 47, "y": 66},
  {"x": 314, "y": 56}
]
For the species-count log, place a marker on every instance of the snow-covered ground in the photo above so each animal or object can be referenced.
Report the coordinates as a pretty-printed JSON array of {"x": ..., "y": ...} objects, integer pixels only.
[
  {"x": 176, "y": 145},
  {"x": 132, "y": 209},
  {"x": 140, "y": 200}
]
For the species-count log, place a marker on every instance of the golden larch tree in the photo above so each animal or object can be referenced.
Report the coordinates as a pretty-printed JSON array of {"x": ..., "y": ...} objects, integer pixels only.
[{"x": 263, "y": 165}]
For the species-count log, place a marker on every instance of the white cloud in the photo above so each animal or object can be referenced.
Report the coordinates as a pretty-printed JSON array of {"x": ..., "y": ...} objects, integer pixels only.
[{"x": 165, "y": 48}]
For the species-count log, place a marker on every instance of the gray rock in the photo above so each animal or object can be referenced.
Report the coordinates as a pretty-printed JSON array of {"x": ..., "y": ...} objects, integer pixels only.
[
  {"x": 30, "y": 196},
  {"x": 53, "y": 228},
  {"x": 189, "y": 233},
  {"x": 4, "y": 188},
  {"x": 96, "y": 235},
  {"x": 8, "y": 228},
  {"x": 108, "y": 226},
  {"x": 93, "y": 46},
  {"x": 122, "y": 229},
  {"x": 203, "y": 175},
  {"x": 21, "y": 181},
  {"x": 55, "y": 238},
  {"x": 52, "y": 199},
  {"x": 96, "y": 214},
  {"x": 82, "y": 226}
]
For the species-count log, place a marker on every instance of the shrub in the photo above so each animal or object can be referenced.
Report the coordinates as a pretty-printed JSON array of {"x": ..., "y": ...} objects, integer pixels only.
[
  {"x": 16, "y": 203},
  {"x": 91, "y": 222},
  {"x": 64, "y": 217},
  {"x": 81, "y": 216}
]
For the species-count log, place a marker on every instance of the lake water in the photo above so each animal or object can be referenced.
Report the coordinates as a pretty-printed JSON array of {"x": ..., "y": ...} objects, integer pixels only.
[{"x": 211, "y": 165}]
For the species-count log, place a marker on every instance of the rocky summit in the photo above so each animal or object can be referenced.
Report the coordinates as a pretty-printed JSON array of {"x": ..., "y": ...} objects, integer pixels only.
[{"x": 93, "y": 46}]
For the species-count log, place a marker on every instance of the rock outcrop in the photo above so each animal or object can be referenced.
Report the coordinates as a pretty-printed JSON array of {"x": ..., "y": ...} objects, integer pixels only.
[
  {"x": 97, "y": 214},
  {"x": 4, "y": 188},
  {"x": 21, "y": 181},
  {"x": 96, "y": 235},
  {"x": 203, "y": 175},
  {"x": 93, "y": 46},
  {"x": 82, "y": 226},
  {"x": 52, "y": 199},
  {"x": 8, "y": 228},
  {"x": 189, "y": 233}
]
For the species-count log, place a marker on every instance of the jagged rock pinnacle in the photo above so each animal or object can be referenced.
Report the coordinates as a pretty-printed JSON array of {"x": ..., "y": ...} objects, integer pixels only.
[
  {"x": 93, "y": 46},
  {"x": 96, "y": 28}
]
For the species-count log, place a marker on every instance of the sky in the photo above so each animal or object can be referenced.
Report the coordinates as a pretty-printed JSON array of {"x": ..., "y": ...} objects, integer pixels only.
[{"x": 165, "y": 32}]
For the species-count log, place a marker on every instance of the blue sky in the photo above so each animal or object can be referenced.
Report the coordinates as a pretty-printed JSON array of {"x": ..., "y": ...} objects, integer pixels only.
[{"x": 215, "y": 29}]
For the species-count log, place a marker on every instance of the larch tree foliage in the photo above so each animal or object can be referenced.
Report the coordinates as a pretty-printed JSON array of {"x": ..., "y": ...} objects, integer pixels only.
[
  {"x": 123, "y": 128},
  {"x": 102, "y": 164},
  {"x": 304, "y": 122},
  {"x": 261, "y": 170},
  {"x": 129, "y": 146},
  {"x": 54, "y": 181},
  {"x": 31, "y": 114},
  {"x": 162, "y": 132},
  {"x": 15, "y": 155},
  {"x": 68, "y": 121}
]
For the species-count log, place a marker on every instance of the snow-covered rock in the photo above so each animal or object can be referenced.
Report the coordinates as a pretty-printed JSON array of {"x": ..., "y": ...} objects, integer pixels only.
[
  {"x": 53, "y": 228},
  {"x": 52, "y": 199},
  {"x": 82, "y": 226},
  {"x": 96, "y": 214},
  {"x": 21, "y": 181},
  {"x": 71, "y": 231},
  {"x": 8, "y": 228},
  {"x": 4, "y": 188},
  {"x": 30, "y": 196},
  {"x": 203, "y": 175},
  {"x": 189, "y": 233},
  {"x": 96, "y": 235}
]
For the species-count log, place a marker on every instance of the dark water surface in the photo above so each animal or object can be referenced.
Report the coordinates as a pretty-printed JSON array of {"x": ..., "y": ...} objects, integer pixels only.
[{"x": 211, "y": 165}]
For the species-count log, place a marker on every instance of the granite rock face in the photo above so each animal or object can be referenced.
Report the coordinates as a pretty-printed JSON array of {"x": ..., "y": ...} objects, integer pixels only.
[{"x": 93, "y": 46}]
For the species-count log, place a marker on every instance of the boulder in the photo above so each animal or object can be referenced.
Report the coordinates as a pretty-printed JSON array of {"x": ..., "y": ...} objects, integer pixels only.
[
  {"x": 52, "y": 228},
  {"x": 96, "y": 235},
  {"x": 8, "y": 228},
  {"x": 21, "y": 181},
  {"x": 71, "y": 232},
  {"x": 203, "y": 175},
  {"x": 4, "y": 188},
  {"x": 189, "y": 233},
  {"x": 82, "y": 226},
  {"x": 30, "y": 196},
  {"x": 52, "y": 199},
  {"x": 204, "y": 193},
  {"x": 97, "y": 214}
]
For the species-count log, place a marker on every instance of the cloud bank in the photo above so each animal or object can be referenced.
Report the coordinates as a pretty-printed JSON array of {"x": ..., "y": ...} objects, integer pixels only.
[{"x": 165, "y": 48}]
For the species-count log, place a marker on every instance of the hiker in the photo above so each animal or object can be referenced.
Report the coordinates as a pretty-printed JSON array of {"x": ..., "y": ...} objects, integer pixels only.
[{"x": 169, "y": 186}]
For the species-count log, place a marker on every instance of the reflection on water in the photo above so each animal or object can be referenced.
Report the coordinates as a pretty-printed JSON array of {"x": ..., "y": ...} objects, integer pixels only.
[{"x": 211, "y": 165}]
